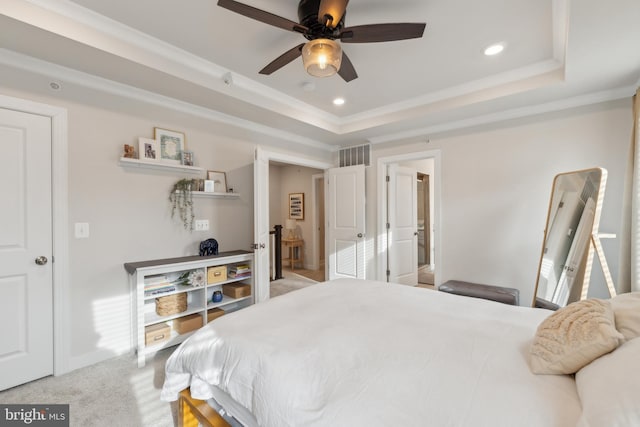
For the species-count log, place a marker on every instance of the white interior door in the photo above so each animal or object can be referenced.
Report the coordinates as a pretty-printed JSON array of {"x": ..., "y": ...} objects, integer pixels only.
[
  {"x": 402, "y": 233},
  {"x": 26, "y": 288},
  {"x": 261, "y": 225},
  {"x": 346, "y": 222}
]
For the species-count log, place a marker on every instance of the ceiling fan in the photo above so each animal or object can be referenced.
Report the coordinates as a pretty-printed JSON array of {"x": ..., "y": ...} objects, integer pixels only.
[{"x": 322, "y": 23}]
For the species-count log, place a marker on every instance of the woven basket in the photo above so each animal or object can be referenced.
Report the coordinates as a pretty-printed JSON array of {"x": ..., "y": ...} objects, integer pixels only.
[{"x": 172, "y": 304}]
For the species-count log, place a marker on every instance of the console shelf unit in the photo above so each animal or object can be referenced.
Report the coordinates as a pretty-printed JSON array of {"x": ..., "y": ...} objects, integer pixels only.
[{"x": 198, "y": 298}]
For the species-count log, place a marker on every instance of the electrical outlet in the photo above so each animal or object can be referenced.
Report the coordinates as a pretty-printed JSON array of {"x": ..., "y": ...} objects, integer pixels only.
[{"x": 202, "y": 224}]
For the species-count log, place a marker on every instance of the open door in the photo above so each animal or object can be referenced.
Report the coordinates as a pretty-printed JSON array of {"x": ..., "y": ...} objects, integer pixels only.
[
  {"x": 402, "y": 229},
  {"x": 261, "y": 226},
  {"x": 346, "y": 222}
]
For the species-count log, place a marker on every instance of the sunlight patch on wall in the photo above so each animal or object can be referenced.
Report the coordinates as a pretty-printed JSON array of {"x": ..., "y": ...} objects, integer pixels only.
[{"x": 111, "y": 317}]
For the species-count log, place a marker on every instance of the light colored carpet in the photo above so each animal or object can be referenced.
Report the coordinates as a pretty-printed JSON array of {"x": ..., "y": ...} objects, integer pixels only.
[{"x": 111, "y": 393}]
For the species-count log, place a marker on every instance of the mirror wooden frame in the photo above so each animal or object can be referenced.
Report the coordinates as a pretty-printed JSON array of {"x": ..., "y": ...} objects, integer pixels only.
[{"x": 579, "y": 249}]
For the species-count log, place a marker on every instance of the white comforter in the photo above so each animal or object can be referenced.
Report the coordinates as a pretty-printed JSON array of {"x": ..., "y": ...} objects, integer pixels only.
[{"x": 364, "y": 353}]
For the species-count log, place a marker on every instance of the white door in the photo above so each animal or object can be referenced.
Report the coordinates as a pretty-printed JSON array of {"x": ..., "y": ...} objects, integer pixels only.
[
  {"x": 261, "y": 225},
  {"x": 26, "y": 288},
  {"x": 402, "y": 232},
  {"x": 346, "y": 222}
]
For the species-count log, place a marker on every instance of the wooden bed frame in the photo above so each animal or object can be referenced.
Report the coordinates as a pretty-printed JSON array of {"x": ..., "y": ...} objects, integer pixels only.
[{"x": 194, "y": 412}]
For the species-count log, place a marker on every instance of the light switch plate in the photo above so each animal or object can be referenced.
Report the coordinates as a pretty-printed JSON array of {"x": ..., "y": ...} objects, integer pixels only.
[
  {"x": 82, "y": 230},
  {"x": 202, "y": 224}
]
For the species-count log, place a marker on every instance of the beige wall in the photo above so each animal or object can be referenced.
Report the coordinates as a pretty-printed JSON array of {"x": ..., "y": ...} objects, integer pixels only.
[
  {"x": 496, "y": 183},
  {"x": 129, "y": 212},
  {"x": 495, "y": 189},
  {"x": 298, "y": 179},
  {"x": 275, "y": 196}
]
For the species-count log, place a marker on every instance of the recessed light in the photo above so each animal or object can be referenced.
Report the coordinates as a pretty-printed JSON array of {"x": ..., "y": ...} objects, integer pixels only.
[
  {"x": 338, "y": 101},
  {"x": 494, "y": 49}
]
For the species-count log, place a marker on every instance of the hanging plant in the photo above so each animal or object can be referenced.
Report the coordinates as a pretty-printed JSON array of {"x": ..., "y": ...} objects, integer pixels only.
[{"x": 181, "y": 198}]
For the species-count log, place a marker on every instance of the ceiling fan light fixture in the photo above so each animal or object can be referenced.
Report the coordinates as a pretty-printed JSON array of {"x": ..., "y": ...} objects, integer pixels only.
[{"x": 322, "y": 57}]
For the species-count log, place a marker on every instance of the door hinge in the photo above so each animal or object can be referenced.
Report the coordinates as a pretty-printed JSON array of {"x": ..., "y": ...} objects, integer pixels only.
[
  {"x": 388, "y": 274},
  {"x": 388, "y": 226},
  {"x": 256, "y": 246},
  {"x": 388, "y": 179}
]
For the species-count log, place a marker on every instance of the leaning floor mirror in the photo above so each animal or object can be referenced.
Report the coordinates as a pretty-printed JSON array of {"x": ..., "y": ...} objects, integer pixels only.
[{"x": 570, "y": 238}]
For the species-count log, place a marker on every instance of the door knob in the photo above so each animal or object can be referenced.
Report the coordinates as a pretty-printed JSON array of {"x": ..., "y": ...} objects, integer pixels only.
[
  {"x": 41, "y": 260},
  {"x": 415, "y": 234},
  {"x": 359, "y": 235}
]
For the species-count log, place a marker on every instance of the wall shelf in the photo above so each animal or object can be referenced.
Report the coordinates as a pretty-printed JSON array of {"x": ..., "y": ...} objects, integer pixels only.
[
  {"x": 215, "y": 195},
  {"x": 136, "y": 163}
]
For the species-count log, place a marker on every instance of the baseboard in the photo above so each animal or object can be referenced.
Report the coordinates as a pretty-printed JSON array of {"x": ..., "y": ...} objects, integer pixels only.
[{"x": 92, "y": 358}]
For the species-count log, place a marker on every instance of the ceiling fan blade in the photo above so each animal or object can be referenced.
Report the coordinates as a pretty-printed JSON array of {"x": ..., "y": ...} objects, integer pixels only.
[
  {"x": 262, "y": 16},
  {"x": 347, "y": 72},
  {"x": 283, "y": 60},
  {"x": 381, "y": 32},
  {"x": 331, "y": 11}
]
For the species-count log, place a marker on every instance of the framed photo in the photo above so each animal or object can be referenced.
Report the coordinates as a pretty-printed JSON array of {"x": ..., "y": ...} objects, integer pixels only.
[
  {"x": 187, "y": 158},
  {"x": 148, "y": 150},
  {"x": 219, "y": 181},
  {"x": 296, "y": 206},
  {"x": 171, "y": 145}
]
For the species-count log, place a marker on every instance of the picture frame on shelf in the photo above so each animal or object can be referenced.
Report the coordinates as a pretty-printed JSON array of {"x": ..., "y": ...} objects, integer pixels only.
[
  {"x": 219, "y": 181},
  {"x": 148, "y": 150},
  {"x": 296, "y": 206},
  {"x": 187, "y": 158},
  {"x": 171, "y": 144}
]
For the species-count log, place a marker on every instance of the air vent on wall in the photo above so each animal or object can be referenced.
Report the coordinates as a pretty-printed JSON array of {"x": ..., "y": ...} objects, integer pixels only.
[{"x": 358, "y": 155}]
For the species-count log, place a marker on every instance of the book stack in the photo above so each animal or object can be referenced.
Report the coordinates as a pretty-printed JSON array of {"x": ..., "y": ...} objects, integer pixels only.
[
  {"x": 239, "y": 271},
  {"x": 157, "y": 285}
]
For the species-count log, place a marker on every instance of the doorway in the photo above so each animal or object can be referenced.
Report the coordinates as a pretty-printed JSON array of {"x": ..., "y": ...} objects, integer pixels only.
[
  {"x": 262, "y": 223},
  {"x": 430, "y": 215},
  {"x": 425, "y": 268}
]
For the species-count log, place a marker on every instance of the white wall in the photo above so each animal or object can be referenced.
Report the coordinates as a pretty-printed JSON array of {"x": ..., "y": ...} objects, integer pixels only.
[{"x": 496, "y": 183}]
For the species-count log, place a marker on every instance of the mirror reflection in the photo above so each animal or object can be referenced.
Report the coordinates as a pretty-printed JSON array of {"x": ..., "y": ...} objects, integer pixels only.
[{"x": 573, "y": 217}]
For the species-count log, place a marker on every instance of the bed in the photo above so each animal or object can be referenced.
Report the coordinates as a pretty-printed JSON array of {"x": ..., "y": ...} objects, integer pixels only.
[{"x": 366, "y": 353}]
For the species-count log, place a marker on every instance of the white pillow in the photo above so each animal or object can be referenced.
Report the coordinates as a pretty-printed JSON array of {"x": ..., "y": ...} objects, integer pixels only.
[
  {"x": 609, "y": 388},
  {"x": 626, "y": 309},
  {"x": 574, "y": 336}
]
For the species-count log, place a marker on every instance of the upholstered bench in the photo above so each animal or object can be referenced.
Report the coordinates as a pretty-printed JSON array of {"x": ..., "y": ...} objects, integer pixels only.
[{"x": 509, "y": 296}]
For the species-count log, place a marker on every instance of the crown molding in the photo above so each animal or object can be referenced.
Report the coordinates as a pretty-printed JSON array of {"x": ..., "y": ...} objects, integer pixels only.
[
  {"x": 75, "y": 22},
  {"x": 515, "y": 113},
  {"x": 510, "y": 82},
  {"x": 90, "y": 28},
  {"x": 37, "y": 66}
]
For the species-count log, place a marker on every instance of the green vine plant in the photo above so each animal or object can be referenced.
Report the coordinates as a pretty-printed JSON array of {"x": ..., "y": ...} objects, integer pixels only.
[{"x": 181, "y": 199}]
